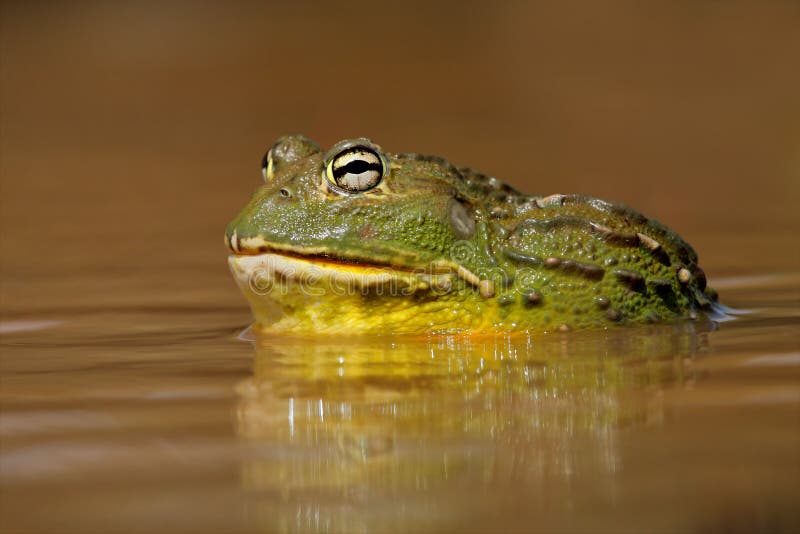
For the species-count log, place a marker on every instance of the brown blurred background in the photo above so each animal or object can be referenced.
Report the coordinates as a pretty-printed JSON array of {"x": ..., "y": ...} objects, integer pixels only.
[{"x": 133, "y": 131}]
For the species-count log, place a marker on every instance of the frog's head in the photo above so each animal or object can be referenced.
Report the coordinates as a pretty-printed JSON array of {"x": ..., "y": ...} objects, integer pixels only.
[
  {"x": 354, "y": 203},
  {"x": 356, "y": 207}
]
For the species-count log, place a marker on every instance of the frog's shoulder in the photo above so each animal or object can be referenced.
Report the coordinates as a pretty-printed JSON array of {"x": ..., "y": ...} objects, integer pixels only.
[
  {"x": 494, "y": 191},
  {"x": 469, "y": 183}
]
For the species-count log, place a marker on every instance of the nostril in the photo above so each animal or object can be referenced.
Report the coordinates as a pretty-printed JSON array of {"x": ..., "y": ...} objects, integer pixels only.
[{"x": 285, "y": 193}]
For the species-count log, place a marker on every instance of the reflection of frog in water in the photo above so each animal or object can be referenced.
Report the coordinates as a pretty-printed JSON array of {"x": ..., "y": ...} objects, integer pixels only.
[
  {"x": 344, "y": 430},
  {"x": 362, "y": 240}
]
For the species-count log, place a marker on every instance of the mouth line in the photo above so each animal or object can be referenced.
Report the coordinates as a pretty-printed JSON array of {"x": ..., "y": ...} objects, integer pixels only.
[
  {"x": 257, "y": 246},
  {"x": 333, "y": 260}
]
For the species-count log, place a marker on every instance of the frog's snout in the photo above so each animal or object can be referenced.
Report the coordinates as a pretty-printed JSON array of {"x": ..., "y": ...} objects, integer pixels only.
[
  {"x": 227, "y": 238},
  {"x": 245, "y": 244},
  {"x": 234, "y": 242}
]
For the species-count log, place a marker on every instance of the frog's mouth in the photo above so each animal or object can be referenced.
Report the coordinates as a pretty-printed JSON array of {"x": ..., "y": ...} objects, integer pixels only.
[{"x": 256, "y": 262}]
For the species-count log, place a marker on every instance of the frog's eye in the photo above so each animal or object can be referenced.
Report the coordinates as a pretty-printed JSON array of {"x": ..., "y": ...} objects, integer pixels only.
[
  {"x": 286, "y": 151},
  {"x": 268, "y": 166},
  {"x": 355, "y": 169}
]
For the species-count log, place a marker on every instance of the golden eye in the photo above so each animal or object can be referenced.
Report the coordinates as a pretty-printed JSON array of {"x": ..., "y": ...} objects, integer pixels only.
[
  {"x": 267, "y": 166},
  {"x": 355, "y": 169}
]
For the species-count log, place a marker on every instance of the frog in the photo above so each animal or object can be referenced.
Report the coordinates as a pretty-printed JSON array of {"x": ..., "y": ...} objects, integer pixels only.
[{"x": 357, "y": 240}]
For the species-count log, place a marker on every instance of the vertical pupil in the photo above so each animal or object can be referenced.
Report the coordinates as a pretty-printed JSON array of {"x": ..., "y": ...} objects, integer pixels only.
[{"x": 356, "y": 167}]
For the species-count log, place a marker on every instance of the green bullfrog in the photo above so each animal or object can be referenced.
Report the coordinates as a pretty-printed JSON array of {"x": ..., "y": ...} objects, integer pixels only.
[{"x": 357, "y": 240}]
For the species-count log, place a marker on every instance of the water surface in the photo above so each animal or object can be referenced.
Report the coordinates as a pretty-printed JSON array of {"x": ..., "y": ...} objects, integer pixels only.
[{"x": 169, "y": 418}]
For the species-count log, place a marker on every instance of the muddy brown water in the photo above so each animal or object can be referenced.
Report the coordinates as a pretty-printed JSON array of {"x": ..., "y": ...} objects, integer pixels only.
[{"x": 131, "y": 400}]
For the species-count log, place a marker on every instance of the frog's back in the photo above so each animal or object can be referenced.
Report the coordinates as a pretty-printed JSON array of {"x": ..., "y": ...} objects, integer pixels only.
[{"x": 580, "y": 261}]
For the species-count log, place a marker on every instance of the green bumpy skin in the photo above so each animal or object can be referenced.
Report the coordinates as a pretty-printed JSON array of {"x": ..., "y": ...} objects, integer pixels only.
[{"x": 424, "y": 247}]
